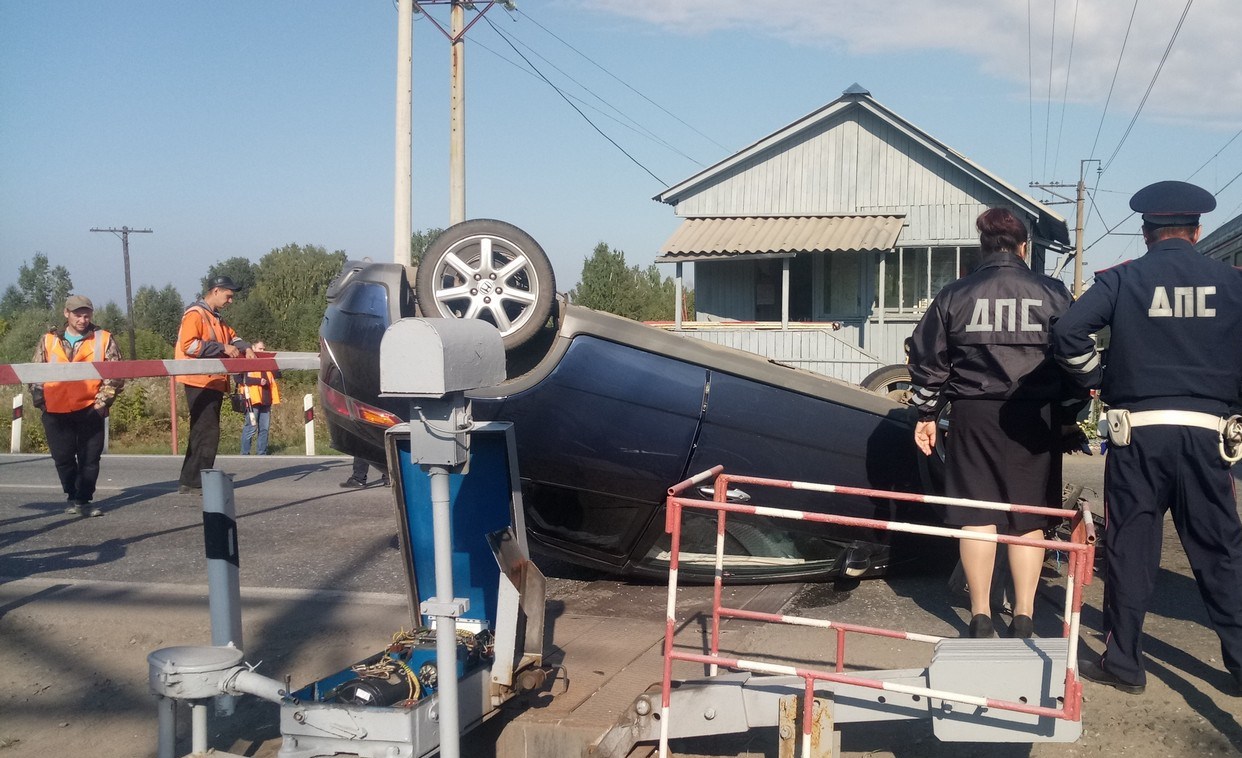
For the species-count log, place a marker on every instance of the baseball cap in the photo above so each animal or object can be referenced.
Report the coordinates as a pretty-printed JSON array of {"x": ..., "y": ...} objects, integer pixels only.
[
  {"x": 224, "y": 283},
  {"x": 74, "y": 302}
]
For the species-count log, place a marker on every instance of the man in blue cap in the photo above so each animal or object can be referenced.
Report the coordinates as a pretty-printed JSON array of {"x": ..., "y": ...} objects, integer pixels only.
[{"x": 1173, "y": 374}]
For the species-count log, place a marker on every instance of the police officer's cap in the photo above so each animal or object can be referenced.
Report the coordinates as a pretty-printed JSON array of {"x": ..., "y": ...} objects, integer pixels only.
[
  {"x": 224, "y": 283},
  {"x": 1172, "y": 203}
]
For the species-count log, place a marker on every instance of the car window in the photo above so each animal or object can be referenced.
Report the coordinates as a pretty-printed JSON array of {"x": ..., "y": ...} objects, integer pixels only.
[{"x": 364, "y": 298}]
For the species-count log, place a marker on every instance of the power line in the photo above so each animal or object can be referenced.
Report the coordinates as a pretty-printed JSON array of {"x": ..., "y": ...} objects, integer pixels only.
[
  {"x": 1231, "y": 181},
  {"x": 1218, "y": 152},
  {"x": 534, "y": 68},
  {"x": 1030, "y": 86},
  {"x": 622, "y": 81},
  {"x": 1069, "y": 66},
  {"x": 1052, "y": 49},
  {"x": 1109, "y": 99},
  {"x": 1150, "y": 85},
  {"x": 636, "y": 128}
]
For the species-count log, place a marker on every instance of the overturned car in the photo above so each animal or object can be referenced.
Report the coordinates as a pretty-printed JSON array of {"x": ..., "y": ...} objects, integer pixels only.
[{"x": 608, "y": 413}]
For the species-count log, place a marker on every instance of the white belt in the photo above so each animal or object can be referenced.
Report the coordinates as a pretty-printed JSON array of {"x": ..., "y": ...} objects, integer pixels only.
[{"x": 1176, "y": 418}]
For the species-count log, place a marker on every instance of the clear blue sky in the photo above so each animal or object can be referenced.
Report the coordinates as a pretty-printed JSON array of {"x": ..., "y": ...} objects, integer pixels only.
[{"x": 231, "y": 128}]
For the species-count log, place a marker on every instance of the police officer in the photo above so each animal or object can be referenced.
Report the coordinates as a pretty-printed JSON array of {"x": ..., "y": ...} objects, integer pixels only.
[
  {"x": 1173, "y": 372},
  {"x": 984, "y": 345}
]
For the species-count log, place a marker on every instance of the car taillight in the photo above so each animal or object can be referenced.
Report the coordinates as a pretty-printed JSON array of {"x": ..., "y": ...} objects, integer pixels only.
[{"x": 344, "y": 405}]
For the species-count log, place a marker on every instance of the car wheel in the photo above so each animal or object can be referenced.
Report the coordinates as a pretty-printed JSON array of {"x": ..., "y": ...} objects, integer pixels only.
[
  {"x": 489, "y": 270},
  {"x": 891, "y": 381}
]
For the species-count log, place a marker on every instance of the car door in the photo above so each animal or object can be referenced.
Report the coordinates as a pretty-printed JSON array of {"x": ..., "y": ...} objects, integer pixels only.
[{"x": 600, "y": 439}]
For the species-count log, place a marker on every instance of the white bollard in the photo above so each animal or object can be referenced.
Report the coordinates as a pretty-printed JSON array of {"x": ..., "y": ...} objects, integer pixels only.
[
  {"x": 15, "y": 439},
  {"x": 308, "y": 411}
]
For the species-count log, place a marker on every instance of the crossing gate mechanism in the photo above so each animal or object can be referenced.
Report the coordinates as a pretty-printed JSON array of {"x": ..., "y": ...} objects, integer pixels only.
[{"x": 975, "y": 690}]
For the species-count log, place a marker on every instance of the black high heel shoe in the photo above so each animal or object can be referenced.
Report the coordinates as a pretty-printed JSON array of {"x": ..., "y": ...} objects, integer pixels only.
[
  {"x": 981, "y": 626},
  {"x": 1022, "y": 627}
]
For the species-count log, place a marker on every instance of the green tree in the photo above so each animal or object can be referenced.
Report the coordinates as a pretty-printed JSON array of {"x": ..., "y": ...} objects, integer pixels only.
[
  {"x": 290, "y": 295},
  {"x": 419, "y": 242},
  {"x": 159, "y": 311},
  {"x": 24, "y": 332},
  {"x": 111, "y": 317},
  {"x": 39, "y": 286},
  {"x": 608, "y": 284}
]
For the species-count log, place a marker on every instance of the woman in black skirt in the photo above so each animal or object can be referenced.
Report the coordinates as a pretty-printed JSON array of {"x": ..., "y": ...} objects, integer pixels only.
[{"x": 984, "y": 346}]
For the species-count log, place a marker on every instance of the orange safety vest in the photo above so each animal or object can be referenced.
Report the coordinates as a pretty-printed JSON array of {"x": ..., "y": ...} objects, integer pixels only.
[
  {"x": 200, "y": 325},
  {"x": 254, "y": 392},
  {"x": 67, "y": 397}
]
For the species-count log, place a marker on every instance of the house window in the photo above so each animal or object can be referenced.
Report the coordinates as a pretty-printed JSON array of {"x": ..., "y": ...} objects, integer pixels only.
[
  {"x": 843, "y": 285},
  {"x": 913, "y": 275}
]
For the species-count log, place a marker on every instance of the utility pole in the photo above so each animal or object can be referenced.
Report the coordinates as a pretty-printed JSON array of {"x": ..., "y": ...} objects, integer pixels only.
[
  {"x": 456, "y": 35},
  {"x": 124, "y": 233},
  {"x": 1079, "y": 221},
  {"x": 402, "y": 225}
]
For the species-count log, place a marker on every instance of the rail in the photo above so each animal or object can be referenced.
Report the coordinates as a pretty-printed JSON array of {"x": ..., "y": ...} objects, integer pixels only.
[{"x": 1080, "y": 550}]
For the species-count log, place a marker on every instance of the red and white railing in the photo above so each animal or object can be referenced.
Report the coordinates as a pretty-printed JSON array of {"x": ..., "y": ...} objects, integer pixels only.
[{"x": 1080, "y": 550}]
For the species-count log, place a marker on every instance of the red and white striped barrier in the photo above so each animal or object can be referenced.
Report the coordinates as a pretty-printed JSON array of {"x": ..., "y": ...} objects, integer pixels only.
[
  {"x": 36, "y": 373},
  {"x": 1080, "y": 549}
]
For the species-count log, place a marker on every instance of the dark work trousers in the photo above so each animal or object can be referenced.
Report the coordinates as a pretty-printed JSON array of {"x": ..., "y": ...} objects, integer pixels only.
[
  {"x": 200, "y": 451},
  {"x": 1169, "y": 468},
  {"x": 76, "y": 440},
  {"x": 361, "y": 466}
]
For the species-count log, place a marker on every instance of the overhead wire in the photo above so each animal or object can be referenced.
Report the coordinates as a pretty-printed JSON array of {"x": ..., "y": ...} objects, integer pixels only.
[
  {"x": 1215, "y": 155},
  {"x": 588, "y": 59},
  {"x": 571, "y": 104},
  {"x": 1052, "y": 49},
  {"x": 1069, "y": 65},
  {"x": 1177, "y": 30},
  {"x": 1030, "y": 87},
  {"x": 636, "y": 126},
  {"x": 1116, "y": 69}
]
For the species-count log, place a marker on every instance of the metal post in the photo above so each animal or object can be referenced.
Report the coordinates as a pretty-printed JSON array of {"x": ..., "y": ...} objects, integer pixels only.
[
  {"x": 15, "y": 436},
  {"x": 172, "y": 411},
  {"x": 198, "y": 727},
  {"x": 457, "y": 116},
  {"x": 446, "y": 625},
  {"x": 107, "y": 432},
  {"x": 405, "y": 133},
  {"x": 223, "y": 585},
  {"x": 308, "y": 413},
  {"x": 166, "y": 737},
  {"x": 677, "y": 296},
  {"x": 785, "y": 293}
]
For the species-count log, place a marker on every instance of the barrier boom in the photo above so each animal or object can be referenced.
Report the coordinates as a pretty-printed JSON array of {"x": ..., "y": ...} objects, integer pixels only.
[{"x": 35, "y": 373}]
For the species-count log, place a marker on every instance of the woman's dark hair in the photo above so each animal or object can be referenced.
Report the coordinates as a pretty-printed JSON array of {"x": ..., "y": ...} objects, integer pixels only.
[{"x": 1000, "y": 229}]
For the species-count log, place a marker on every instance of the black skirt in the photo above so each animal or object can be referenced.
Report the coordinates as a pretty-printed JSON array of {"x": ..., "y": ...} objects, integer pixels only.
[{"x": 1005, "y": 451}]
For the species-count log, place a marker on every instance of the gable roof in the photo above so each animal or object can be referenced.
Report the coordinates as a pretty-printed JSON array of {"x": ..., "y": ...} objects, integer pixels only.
[{"x": 1048, "y": 224}]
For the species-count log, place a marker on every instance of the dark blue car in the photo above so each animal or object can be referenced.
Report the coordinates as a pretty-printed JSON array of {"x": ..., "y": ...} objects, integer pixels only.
[{"x": 608, "y": 413}]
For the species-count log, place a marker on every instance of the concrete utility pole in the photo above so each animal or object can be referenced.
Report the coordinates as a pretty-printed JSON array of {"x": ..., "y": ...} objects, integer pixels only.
[
  {"x": 402, "y": 225},
  {"x": 124, "y": 233},
  {"x": 456, "y": 35},
  {"x": 1078, "y": 226},
  {"x": 457, "y": 115}
]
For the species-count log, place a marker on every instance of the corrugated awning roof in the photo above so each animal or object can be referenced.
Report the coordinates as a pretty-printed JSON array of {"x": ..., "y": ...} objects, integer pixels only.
[{"x": 755, "y": 236}]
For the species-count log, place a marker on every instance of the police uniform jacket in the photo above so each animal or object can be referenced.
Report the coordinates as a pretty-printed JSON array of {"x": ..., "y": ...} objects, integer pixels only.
[
  {"x": 987, "y": 336},
  {"x": 1176, "y": 320}
]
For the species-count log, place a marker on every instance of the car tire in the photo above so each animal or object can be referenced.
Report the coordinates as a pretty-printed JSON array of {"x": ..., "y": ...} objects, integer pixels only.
[
  {"x": 891, "y": 381},
  {"x": 489, "y": 270}
]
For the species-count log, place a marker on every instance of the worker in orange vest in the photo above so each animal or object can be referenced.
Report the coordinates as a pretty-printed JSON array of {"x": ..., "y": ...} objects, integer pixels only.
[
  {"x": 261, "y": 392},
  {"x": 204, "y": 334},
  {"x": 74, "y": 412}
]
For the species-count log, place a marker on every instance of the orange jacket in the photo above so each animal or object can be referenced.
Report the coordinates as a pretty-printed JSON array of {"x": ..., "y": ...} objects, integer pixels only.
[
  {"x": 203, "y": 335},
  {"x": 67, "y": 397},
  {"x": 259, "y": 387}
]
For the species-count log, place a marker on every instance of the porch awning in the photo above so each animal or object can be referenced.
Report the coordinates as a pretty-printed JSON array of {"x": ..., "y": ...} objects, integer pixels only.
[{"x": 720, "y": 238}]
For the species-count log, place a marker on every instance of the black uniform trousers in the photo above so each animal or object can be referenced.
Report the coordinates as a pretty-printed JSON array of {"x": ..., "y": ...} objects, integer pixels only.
[
  {"x": 1166, "y": 468},
  {"x": 76, "y": 440},
  {"x": 200, "y": 451}
]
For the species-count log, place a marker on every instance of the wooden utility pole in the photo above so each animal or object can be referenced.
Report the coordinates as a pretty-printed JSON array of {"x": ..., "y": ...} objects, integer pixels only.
[
  {"x": 124, "y": 233},
  {"x": 1080, "y": 219}
]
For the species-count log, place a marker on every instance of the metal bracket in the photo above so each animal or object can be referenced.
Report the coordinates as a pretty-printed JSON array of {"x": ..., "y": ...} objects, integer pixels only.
[{"x": 453, "y": 609}]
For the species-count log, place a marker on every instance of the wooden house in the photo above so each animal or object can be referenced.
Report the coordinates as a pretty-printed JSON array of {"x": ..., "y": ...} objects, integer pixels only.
[{"x": 822, "y": 244}]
